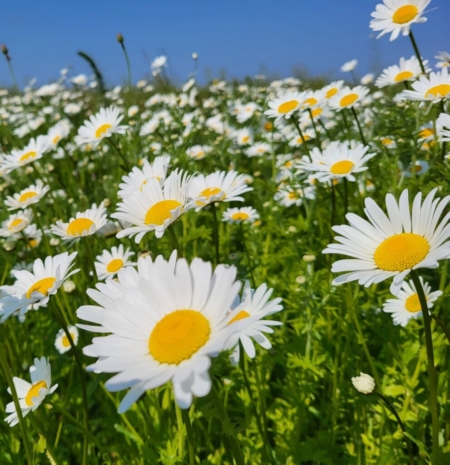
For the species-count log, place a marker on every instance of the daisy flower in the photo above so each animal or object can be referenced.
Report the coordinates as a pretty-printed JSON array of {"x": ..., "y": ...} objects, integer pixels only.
[
  {"x": 348, "y": 97},
  {"x": 390, "y": 246},
  {"x": 285, "y": 105},
  {"x": 395, "y": 16},
  {"x": 156, "y": 207},
  {"x": 288, "y": 196},
  {"x": 31, "y": 395},
  {"x": 16, "y": 223},
  {"x": 337, "y": 161},
  {"x": 256, "y": 304},
  {"x": 103, "y": 124},
  {"x": 420, "y": 167},
  {"x": 166, "y": 320},
  {"x": 58, "y": 132},
  {"x": 240, "y": 215},
  {"x": 84, "y": 224},
  {"x": 332, "y": 89},
  {"x": 33, "y": 151},
  {"x": 62, "y": 342},
  {"x": 258, "y": 150},
  {"x": 434, "y": 88},
  {"x": 221, "y": 186},
  {"x": 406, "y": 70},
  {"x": 349, "y": 66},
  {"x": 109, "y": 263},
  {"x": 139, "y": 177},
  {"x": 426, "y": 132},
  {"x": 388, "y": 142},
  {"x": 298, "y": 140},
  {"x": 443, "y": 60},
  {"x": 243, "y": 136},
  {"x": 406, "y": 305},
  {"x": 443, "y": 127},
  {"x": 198, "y": 152},
  {"x": 34, "y": 288},
  {"x": 28, "y": 196}
]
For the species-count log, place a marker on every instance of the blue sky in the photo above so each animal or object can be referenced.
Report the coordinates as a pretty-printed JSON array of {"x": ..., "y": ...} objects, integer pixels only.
[{"x": 241, "y": 37}]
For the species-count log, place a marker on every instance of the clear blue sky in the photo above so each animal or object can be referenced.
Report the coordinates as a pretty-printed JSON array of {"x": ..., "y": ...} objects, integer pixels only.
[{"x": 239, "y": 36}]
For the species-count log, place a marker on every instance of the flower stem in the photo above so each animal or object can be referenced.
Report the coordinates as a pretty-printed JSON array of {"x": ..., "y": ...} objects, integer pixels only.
[
  {"x": 175, "y": 243},
  {"x": 416, "y": 51},
  {"x": 432, "y": 374},
  {"x": 305, "y": 143},
  {"x": 190, "y": 435},
  {"x": 247, "y": 255},
  {"x": 13, "y": 76},
  {"x": 391, "y": 408},
  {"x": 12, "y": 387},
  {"x": 315, "y": 128},
  {"x": 359, "y": 126},
  {"x": 443, "y": 326},
  {"x": 215, "y": 232},
  {"x": 91, "y": 258}
]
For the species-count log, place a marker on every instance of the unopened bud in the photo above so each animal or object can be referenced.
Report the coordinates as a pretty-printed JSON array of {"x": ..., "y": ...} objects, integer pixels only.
[
  {"x": 119, "y": 38},
  {"x": 194, "y": 56},
  {"x": 364, "y": 384},
  {"x": 4, "y": 49}
]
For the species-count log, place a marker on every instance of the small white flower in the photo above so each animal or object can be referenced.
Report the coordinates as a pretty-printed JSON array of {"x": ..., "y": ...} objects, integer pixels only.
[{"x": 364, "y": 384}]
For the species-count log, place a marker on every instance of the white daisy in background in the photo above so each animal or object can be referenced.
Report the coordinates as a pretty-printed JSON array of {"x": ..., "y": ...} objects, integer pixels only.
[
  {"x": 58, "y": 132},
  {"x": 406, "y": 305},
  {"x": 220, "y": 186},
  {"x": 349, "y": 66},
  {"x": 158, "y": 63},
  {"x": 166, "y": 322},
  {"x": 156, "y": 207},
  {"x": 103, "y": 124},
  {"x": 34, "y": 288},
  {"x": 34, "y": 150},
  {"x": 388, "y": 142},
  {"x": 332, "y": 89},
  {"x": 31, "y": 395},
  {"x": 256, "y": 304},
  {"x": 395, "y": 16},
  {"x": 258, "y": 149},
  {"x": 243, "y": 136},
  {"x": 443, "y": 60},
  {"x": 434, "y": 88},
  {"x": 285, "y": 105},
  {"x": 348, "y": 97},
  {"x": 337, "y": 161},
  {"x": 406, "y": 70},
  {"x": 240, "y": 215},
  {"x": 139, "y": 177},
  {"x": 198, "y": 152},
  {"x": 426, "y": 132},
  {"x": 62, "y": 342},
  {"x": 288, "y": 196},
  {"x": 16, "y": 223},
  {"x": 443, "y": 127},
  {"x": 28, "y": 196},
  {"x": 84, "y": 224},
  {"x": 296, "y": 140},
  {"x": 367, "y": 79},
  {"x": 420, "y": 167},
  {"x": 390, "y": 246},
  {"x": 109, "y": 263},
  {"x": 33, "y": 235}
]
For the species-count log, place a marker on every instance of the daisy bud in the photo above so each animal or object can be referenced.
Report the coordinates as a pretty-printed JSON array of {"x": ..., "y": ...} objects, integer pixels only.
[
  {"x": 119, "y": 38},
  {"x": 363, "y": 383},
  {"x": 309, "y": 258},
  {"x": 194, "y": 56},
  {"x": 69, "y": 286},
  {"x": 4, "y": 50}
]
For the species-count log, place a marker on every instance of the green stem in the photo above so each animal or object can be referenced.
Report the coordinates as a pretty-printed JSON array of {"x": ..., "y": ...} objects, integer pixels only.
[
  {"x": 443, "y": 326},
  {"x": 345, "y": 196},
  {"x": 119, "y": 152},
  {"x": 391, "y": 408},
  {"x": 175, "y": 243},
  {"x": 416, "y": 51},
  {"x": 359, "y": 126},
  {"x": 231, "y": 438},
  {"x": 215, "y": 232},
  {"x": 13, "y": 76},
  {"x": 190, "y": 435},
  {"x": 305, "y": 143},
  {"x": 432, "y": 374},
  {"x": 91, "y": 258},
  {"x": 127, "y": 59},
  {"x": 247, "y": 255},
  {"x": 22, "y": 425},
  {"x": 180, "y": 432},
  {"x": 315, "y": 129}
]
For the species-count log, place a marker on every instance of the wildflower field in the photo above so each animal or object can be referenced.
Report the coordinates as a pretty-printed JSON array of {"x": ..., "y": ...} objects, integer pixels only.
[{"x": 246, "y": 272}]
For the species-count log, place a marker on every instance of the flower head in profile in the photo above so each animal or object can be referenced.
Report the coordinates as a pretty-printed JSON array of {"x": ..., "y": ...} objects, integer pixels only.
[
  {"x": 434, "y": 88},
  {"x": 84, "y": 224},
  {"x": 165, "y": 322},
  {"x": 349, "y": 66},
  {"x": 34, "y": 150},
  {"x": 443, "y": 60},
  {"x": 16, "y": 223},
  {"x": 103, "y": 124},
  {"x": 240, "y": 215},
  {"x": 390, "y": 246},
  {"x": 31, "y": 395},
  {"x": 406, "y": 70},
  {"x": 443, "y": 127},
  {"x": 32, "y": 289},
  {"x": 109, "y": 263},
  {"x": 397, "y": 16},
  {"x": 406, "y": 305},
  {"x": 348, "y": 97},
  {"x": 28, "y": 196},
  {"x": 285, "y": 105}
]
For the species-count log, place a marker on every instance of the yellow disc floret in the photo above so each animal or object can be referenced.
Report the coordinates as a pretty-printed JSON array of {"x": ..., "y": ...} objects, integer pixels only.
[
  {"x": 42, "y": 286},
  {"x": 78, "y": 226},
  {"x": 114, "y": 265},
  {"x": 34, "y": 392},
  {"x": 178, "y": 336},
  {"x": 342, "y": 167},
  {"x": 240, "y": 316},
  {"x": 101, "y": 130},
  {"x": 161, "y": 212},
  {"x": 412, "y": 304},
  {"x": 405, "y": 14},
  {"x": 286, "y": 107}
]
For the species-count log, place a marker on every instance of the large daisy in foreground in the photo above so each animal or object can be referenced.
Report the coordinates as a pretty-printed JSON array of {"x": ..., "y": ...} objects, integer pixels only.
[
  {"x": 165, "y": 322},
  {"x": 392, "y": 245}
]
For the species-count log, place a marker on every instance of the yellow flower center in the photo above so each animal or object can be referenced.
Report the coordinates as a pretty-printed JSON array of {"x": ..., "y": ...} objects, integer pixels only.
[
  {"x": 412, "y": 304},
  {"x": 427, "y": 132},
  {"x": 331, "y": 92},
  {"x": 15, "y": 223},
  {"x": 178, "y": 336},
  {"x": 28, "y": 155},
  {"x": 56, "y": 139},
  {"x": 286, "y": 107},
  {"x": 316, "y": 112},
  {"x": 240, "y": 216},
  {"x": 305, "y": 138},
  {"x": 34, "y": 392},
  {"x": 240, "y": 316},
  {"x": 33, "y": 243},
  {"x": 405, "y": 14},
  {"x": 78, "y": 226},
  {"x": 403, "y": 76},
  {"x": 27, "y": 195},
  {"x": 438, "y": 91},
  {"x": 268, "y": 126},
  {"x": 342, "y": 167},
  {"x": 65, "y": 341},
  {"x": 310, "y": 101},
  {"x": 401, "y": 252},
  {"x": 101, "y": 130},
  {"x": 348, "y": 100},
  {"x": 292, "y": 196},
  {"x": 209, "y": 192},
  {"x": 42, "y": 286},
  {"x": 387, "y": 141},
  {"x": 161, "y": 212},
  {"x": 114, "y": 265},
  {"x": 245, "y": 139}
]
